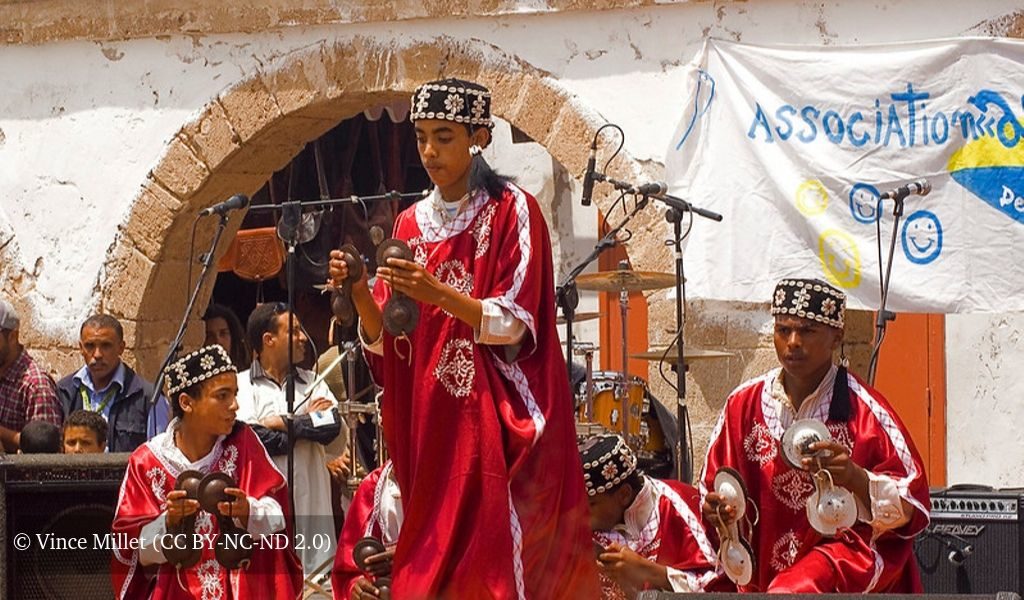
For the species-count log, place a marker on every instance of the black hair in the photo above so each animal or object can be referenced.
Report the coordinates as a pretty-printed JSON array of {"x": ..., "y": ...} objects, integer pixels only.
[
  {"x": 193, "y": 391},
  {"x": 263, "y": 319},
  {"x": 103, "y": 322},
  {"x": 241, "y": 357},
  {"x": 40, "y": 437},
  {"x": 481, "y": 175},
  {"x": 90, "y": 420}
]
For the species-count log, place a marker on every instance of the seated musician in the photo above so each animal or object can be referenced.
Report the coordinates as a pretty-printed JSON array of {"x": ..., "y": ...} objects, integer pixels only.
[
  {"x": 203, "y": 436},
  {"x": 649, "y": 531}
]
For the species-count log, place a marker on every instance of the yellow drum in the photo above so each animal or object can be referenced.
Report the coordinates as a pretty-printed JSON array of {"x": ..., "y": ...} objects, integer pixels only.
[{"x": 608, "y": 407}]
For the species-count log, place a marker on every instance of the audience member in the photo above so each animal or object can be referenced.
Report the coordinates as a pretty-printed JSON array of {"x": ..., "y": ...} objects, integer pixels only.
[
  {"x": 85, "y": 432},
  {"x": 27, "y": 392}
]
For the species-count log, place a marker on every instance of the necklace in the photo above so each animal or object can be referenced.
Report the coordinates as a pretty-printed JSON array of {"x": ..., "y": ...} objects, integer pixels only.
[{"x": 442, "y": 207}]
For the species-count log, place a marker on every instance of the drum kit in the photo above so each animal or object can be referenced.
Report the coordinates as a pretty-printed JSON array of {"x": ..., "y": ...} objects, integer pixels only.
[{"x": 615, "y": 401}]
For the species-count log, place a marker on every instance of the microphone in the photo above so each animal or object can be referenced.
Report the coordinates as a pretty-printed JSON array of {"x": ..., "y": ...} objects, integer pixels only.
[
  {"x": 235, "y": 202},
  {"x": 657, "y": 189},
  {"x": 921, "y": 187},
  {"x": 588, "y": 178}
]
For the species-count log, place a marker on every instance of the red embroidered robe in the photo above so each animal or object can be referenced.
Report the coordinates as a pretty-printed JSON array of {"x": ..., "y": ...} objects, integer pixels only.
[
  {"x": 484, "y": 449},
  {"x": 362, "y": 519},
  {"x": 672, "y": 536},
  {"x": 746, "y": 438},
  {"x": 150, "y": 476}
]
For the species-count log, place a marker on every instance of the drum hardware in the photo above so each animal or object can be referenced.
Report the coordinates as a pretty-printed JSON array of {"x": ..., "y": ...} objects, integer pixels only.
[
  {"x": 582, "y": 316},
  {"x": 668, "y": 354},
  {"x": 625, "y": 279}
]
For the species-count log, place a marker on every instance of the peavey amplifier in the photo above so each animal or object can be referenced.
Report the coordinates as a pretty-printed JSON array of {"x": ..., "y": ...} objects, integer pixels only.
[{"x": 973, "y": 544}]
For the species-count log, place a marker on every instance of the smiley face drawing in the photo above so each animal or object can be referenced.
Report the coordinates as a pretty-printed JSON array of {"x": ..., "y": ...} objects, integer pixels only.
[
  {"x": 922, "y": 237},
  {"x": 811, "y": 198},
  {"x": 864, "y": 203},
  {"x": 840, "y": 258}
]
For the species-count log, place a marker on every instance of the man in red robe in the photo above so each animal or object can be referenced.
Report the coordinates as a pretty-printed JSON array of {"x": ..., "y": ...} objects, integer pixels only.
[
  {"x": 477, "y": 410},
  {"x": 375, "y": 511},
  {"x": 204, "y": 437},
  {"x": 870, "y": 454},
  {"x": 649, "y": 531}
]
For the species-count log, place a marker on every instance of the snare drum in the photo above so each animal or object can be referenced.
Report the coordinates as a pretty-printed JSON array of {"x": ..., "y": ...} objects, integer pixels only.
[{"x": 608, "y": 408}]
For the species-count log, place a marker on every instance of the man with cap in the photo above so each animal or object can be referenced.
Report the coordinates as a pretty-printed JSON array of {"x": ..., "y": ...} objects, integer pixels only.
[
  {"x": 496, "y": 503},
  {"x": 869, "y": 453},
  {"x": 205, "y": 437},
  {"x": 27, "y": 392},
  {"x": 648, "y": 532}
]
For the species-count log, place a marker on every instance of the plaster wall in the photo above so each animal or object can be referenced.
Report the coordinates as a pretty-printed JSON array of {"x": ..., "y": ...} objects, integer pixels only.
[{"x": 86, "y": 118}]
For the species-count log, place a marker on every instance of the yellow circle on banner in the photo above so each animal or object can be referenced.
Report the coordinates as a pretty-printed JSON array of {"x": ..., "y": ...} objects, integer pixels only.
[
  {"x": 840, "y": 258},
  {"x": 811, "y": 198}
]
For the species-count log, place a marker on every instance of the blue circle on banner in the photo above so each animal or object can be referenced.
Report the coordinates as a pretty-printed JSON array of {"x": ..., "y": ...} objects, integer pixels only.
[
  {"x": 922, "y": 237},
  {"x": 864, "y": 203}
]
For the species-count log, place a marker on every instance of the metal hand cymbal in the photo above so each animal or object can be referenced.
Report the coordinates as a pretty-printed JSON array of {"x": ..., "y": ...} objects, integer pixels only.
[
  {"x": 580, "y": 316},
  {"x": 625, "y": 279},
  {"x": 689, "y": 354}
]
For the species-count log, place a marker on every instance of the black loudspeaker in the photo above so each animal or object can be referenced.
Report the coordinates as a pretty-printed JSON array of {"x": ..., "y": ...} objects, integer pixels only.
[
  {"x": 671, "y": 596},
  {"x": 973, "y": 544},
  {"x": 54, "y": 534}
]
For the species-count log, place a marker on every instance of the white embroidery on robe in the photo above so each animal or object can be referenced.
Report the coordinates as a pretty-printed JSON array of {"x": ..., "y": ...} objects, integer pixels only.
[
  {"x": 792, "y": 488},
  {"x": 784, "y": 551},
  {"x": 841, "y": 433},
  {"x": 210, "y": 581},
  {"x": 228, "y": 461},
  {"x": 760, "y": 445},
  {"x": 455, "y": 369},
  {"x": 419, "y": 251},
  {"x": 454, "y": 274},
  {"x": 482, "y": 230},
  {"x": 157, "y": 483}
]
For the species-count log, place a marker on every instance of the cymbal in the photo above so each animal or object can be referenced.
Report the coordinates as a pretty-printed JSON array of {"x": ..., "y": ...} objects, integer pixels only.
[
  {"x": 580, "y": 316},
  {"x": 688, "y": 353},
  {"x": 625, "y": 279}
]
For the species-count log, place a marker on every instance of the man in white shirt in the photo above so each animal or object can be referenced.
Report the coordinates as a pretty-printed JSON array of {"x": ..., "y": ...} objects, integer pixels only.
[{"x": 316, "y": 428}]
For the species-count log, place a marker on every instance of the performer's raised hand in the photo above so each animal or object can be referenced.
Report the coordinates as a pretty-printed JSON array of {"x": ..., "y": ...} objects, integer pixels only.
[
  {"x": 237, "y": 508},
  {"x": 379, "y": 565},
  {"x": 364, "y": 590},
  {"x": 413, "y": 280},
  {"x": 714, "y": 509},
  {"x": 837, "y": 461},
  {"x": 337, "y": 269},
  {"x": 179, "y": 507}
]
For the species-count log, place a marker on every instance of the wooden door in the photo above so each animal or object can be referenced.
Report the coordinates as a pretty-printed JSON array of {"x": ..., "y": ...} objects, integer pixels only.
[{"x": 912, "y": 376}]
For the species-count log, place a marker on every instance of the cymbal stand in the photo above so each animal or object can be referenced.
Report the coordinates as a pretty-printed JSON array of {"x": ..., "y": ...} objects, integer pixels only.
[
  {"x": 622, "y": 390},
  {"x": 351, "y": 418},
  {"x": 566, "y": 294}
]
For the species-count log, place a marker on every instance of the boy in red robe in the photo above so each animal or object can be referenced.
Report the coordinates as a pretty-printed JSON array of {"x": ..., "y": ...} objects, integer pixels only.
[
  {"x": 870, "y": 454},
  {"x": 204, "y": 437},
  {"x": 649, "y": 530},
  {"x": 477, "y": 410}
]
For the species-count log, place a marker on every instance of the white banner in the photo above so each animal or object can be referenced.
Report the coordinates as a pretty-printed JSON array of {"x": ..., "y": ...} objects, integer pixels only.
[{"x": 793, "y": 144}]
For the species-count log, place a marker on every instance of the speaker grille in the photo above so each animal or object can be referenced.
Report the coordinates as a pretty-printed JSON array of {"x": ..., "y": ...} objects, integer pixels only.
[{"x": 973, "y": 544}]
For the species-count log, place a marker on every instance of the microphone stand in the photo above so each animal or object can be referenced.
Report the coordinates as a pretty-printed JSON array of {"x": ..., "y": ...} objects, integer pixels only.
[
  {"x": 291, "y": 213},
  {"x": 674, "y": 215},
  {"x": 566, "y": 294},
  {"x": 884, "y": 316},
  {"x": 206, "y": 259}
]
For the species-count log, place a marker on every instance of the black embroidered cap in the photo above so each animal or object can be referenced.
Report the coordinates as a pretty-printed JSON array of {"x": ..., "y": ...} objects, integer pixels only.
[
  {"x": 196, "y": 367},
  {"x": 810, "y": 299},
  {"x": 607, "y": 462},
  {"x": 452, "y": 100}
]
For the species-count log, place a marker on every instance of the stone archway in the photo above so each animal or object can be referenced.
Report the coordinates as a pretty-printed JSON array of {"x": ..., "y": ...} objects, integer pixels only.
[{"x": 257, "y": 126}]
